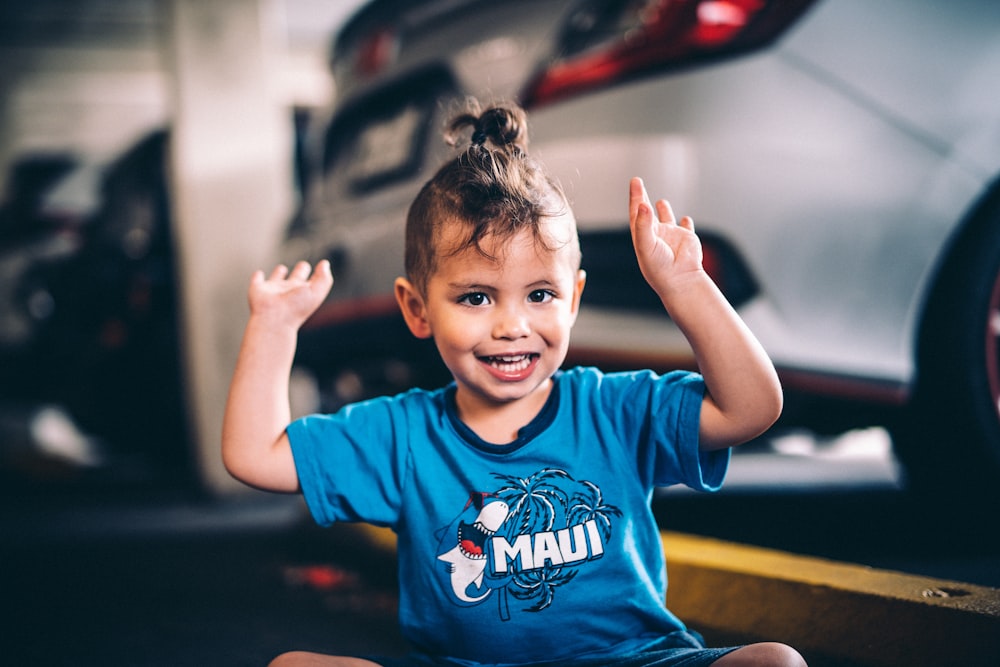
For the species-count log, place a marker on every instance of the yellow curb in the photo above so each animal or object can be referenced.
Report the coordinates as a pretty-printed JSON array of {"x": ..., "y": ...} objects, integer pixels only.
[{"x": 833, "y": 613}]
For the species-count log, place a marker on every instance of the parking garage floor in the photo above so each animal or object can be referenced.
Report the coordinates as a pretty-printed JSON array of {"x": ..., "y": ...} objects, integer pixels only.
[{"x": 187, "y": 583}]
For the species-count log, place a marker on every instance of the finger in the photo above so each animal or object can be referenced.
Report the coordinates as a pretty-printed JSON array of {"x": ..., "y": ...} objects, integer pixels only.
[
  {"x": 687, "y": 222},
  {"x": 301, "y": 271},
  {"x": 665, "y": 213},
  {"x": 642, "y": 225},
  {"x": 279, "y": 272},
  {"x": 322, "y": 277},
  {"x": 637, "y": 196},
  {"x": 256, "y": 280}
]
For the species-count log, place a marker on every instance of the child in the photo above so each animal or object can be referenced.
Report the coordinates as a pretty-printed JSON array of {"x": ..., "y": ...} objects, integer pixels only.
[{"x": 520, "y": 493}]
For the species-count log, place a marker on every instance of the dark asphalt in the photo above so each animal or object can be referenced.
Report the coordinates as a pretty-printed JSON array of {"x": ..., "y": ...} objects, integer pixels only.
[{"x": 185, "y": 582}]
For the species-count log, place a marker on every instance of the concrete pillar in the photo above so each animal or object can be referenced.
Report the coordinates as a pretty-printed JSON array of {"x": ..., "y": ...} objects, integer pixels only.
[{"x": 231, "y": 183}]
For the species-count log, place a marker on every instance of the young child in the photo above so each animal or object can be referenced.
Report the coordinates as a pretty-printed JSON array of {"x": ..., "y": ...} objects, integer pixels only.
[{"x": 520, "y": 492}]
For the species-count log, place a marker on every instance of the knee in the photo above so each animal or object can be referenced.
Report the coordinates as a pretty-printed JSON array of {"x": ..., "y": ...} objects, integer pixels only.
[
  {"x": 290, "y": 659},
  {"x": 783, "y": 655},
  {"x": 307, "y": 659},
  {"x": 769, "y": 654}
]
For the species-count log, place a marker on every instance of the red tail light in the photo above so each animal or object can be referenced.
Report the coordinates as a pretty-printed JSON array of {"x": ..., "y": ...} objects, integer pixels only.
[
  {"x": 608, "y": 41},
  {"x": 376, "y": 52}
]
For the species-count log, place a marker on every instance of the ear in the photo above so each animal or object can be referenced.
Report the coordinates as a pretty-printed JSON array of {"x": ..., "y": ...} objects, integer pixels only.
[
  {"x": 411, "y": 303},
  {"x": 581, "y": 281}
]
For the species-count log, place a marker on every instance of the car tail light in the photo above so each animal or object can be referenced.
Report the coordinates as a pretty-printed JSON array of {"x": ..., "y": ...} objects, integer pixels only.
[
  {"x": 608, "y": 41},
  {"x": 614, "y": 280},
  {"x": 376, "y": 51}
]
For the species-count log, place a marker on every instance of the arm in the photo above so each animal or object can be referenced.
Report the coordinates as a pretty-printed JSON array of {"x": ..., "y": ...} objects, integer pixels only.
[
  {"x": 743, "y": 396},
  {"x": 255, "y": 447}
]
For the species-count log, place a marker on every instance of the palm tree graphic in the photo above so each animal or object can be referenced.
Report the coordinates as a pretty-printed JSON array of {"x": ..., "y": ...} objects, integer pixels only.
[
  {"x": 536, "y": 503},
  {"x": 589, "y": 505},
  {"x": 533, "y": 501}
]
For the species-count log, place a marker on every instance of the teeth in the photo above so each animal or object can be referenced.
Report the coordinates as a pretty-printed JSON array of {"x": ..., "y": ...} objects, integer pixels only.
[
  {"x": 480, "y": 526},
  {"x": 511, "y": 363}
]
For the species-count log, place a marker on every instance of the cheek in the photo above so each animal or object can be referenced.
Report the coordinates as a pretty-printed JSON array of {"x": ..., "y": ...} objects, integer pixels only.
[
  {"x": 457, "y": 332},
  {"x": 557, "y": 326}
]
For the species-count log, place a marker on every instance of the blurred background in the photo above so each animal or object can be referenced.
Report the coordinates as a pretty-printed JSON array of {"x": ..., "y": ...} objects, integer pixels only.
[
  {"x": 98, "y": 271},
  {"x": 153, "y": 153}
]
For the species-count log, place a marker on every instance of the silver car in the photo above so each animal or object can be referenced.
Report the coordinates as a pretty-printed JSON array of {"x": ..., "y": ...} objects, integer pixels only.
[{"x": 839, "y": 157}]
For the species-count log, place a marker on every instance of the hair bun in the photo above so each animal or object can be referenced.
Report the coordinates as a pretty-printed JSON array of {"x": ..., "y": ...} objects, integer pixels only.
[{"x": 504, "y": 125}]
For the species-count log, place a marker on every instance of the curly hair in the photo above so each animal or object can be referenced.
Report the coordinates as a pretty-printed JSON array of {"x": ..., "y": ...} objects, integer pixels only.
[{"x": 493, "y": 188}]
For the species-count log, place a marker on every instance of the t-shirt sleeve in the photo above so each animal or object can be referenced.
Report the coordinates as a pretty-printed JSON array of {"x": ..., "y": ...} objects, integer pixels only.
[
  {"x": 351, "y": 464},
  {"x": 679, "y": 458},
  {"x": 661, "y": 415}
]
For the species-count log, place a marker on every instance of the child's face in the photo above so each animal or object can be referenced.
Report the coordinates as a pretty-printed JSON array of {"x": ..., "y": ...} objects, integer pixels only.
[{"x": 503, "y": 327}]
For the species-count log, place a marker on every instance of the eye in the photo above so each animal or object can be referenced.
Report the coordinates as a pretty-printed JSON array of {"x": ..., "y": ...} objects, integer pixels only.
[
  {"x": 541, "y": 296},
  {"x": 474, "y": 299}
]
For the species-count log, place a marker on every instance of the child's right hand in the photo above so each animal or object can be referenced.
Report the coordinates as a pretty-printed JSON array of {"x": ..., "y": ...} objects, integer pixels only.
[
  {"x": 255, "y": 446},
  {"x": 290, "y": 298}
]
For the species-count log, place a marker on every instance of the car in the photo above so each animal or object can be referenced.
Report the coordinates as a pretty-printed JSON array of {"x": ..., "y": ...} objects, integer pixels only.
[
  {"x": 90, "y": 345},
  {"x": 840, "y": 159}
]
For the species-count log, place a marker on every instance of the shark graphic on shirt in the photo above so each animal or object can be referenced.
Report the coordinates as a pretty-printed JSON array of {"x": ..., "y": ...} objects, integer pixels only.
[{"x": 467, "y": 560}]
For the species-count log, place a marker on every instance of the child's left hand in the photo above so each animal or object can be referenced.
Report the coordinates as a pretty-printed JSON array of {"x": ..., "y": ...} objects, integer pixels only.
[
  {"x": 289, "y": 298},
  {"x": 667, "y": 250}
]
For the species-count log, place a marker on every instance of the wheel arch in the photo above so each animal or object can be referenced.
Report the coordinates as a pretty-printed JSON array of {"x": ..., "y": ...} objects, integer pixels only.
[
  {"x": 984, "y": 209},
  {"x": 947, "y": 434}
]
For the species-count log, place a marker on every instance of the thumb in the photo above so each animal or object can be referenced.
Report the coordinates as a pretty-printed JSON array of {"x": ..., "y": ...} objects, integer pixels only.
[
  {"x": 322, "y": 278},
  {"x": 642, "y": 227}
]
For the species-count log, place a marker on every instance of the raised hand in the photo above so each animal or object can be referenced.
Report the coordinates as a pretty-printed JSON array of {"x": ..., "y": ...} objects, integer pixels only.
[
  {"x": 743, "y": 396},
  {"x": 255, "y": 448},
  {"x": 290, "y": 297},
  {"x": 666, "y": 249}
]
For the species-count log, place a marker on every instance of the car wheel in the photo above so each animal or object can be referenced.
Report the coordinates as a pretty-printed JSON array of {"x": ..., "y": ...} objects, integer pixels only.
[{"x": 950, "y": 435}]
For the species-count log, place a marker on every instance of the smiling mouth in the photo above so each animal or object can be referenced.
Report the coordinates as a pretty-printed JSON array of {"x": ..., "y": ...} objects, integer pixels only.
[{"x": 510, "y": 363}]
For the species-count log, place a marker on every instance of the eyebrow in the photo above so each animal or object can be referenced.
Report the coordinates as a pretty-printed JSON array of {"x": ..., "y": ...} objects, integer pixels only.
[
  {"x": 469, "y": 286},
  {"x": 545, "y": 282}
]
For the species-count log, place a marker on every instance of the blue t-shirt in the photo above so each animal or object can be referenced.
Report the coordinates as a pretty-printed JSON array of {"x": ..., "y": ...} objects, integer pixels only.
[{"x": 540, "y": 549}]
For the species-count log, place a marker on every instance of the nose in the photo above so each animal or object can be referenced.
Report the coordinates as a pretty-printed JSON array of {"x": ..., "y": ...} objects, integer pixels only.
[{"x": 511, "y": 323}]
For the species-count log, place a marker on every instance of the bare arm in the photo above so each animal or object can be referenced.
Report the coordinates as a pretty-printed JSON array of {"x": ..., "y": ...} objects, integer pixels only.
[
  {"x": 255, "y": 448},
  {"x": 743, "y": 396}
]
